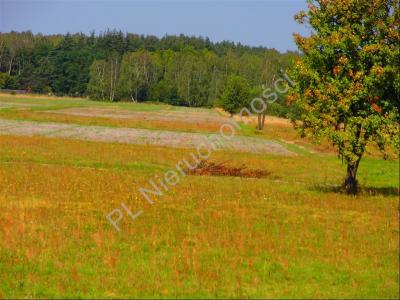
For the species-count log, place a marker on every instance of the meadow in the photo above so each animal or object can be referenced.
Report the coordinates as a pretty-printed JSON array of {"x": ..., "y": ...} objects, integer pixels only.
[{"x": 291, "y": 234}]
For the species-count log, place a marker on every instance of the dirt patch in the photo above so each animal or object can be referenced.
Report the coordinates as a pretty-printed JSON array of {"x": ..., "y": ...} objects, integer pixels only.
[
  {"x": 222, "y": 169},
  {"x": 142, "y": 136}
]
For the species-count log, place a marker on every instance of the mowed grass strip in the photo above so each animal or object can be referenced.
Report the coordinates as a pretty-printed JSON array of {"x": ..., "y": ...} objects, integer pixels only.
[
  {"x": 37, "y": 108},
  {"x": 288, "y": 235},
  {"x": 172, "y": 125}
]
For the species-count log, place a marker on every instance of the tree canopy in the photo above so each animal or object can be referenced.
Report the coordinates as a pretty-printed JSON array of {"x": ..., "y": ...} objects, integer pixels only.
[
  {"x": 236, "y": 95},
  {"x": 347, "y": 80}
]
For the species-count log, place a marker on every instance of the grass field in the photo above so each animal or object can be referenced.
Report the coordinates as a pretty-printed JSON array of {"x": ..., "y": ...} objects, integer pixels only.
[{"x": 291, "y": 234}]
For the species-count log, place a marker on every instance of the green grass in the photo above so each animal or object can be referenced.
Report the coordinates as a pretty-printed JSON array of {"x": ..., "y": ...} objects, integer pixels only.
[
  {"x": 49, "y": 103},
  {"x": 61, "y": 103}
]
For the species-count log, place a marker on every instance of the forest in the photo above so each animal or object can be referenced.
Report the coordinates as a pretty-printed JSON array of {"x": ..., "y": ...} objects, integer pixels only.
[{"x": 112, "y": 66}]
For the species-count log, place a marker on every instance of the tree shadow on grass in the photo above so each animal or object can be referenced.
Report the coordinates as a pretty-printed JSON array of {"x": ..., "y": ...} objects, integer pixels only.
[{"x": 363, "y": 190}]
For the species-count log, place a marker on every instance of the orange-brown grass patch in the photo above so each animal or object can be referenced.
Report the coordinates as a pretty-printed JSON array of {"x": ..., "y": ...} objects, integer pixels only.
[{"x": 208, "y": 236}]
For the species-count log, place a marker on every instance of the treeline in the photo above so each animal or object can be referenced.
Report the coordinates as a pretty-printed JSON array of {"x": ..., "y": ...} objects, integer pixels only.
[{"x": 181, "y": 70}]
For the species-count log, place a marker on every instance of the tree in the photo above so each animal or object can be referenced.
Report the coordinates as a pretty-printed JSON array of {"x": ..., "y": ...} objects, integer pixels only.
[
  {"x": 98, "y": 84},
  {"x": 192, "y": 83},
  {"x": 113, "y": 71},
  {"x": 104, "y": 79},
  {"x": 71, "y": 60},
  {"x": 347, "y": 82},
  {"x": 236, "y": 94},
  {"x": 136, "y": 69}
]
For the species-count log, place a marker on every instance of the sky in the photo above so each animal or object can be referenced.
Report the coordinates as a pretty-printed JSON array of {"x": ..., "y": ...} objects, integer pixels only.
[{"x": 266, "y": 23}]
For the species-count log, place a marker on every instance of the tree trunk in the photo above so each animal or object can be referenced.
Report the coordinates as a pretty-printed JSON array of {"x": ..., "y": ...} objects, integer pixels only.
[
  {"x": 10, "y": 66},
  {"x": 263, "y": 120},
  {"x": 350, "y": 184},
  {"x": 260, "y": 120}
]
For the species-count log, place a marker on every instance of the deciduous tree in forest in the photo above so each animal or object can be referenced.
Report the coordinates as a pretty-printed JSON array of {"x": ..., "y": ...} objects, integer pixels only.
[
  {"x": 104, "y": 75},
  {"x": 136, "y": 69},
  {"x": 236, "y": 95}
]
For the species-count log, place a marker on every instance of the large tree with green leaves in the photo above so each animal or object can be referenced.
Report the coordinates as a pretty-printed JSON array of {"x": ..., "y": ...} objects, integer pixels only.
[{"x": 347, "y": 81}]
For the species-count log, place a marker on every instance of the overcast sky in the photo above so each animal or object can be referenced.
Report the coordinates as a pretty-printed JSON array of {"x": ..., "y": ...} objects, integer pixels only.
[{"x": 266, "y": 22}]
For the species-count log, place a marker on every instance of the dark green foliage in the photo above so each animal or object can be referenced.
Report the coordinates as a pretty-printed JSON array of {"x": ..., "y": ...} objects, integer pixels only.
[
  {"x": 4, "y": 80},
  {"x": 179, "y": 70},
  {"x": 237, "y": 94}
]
